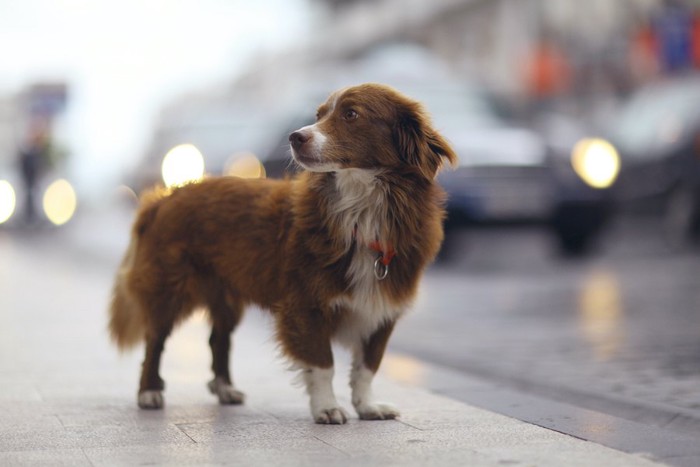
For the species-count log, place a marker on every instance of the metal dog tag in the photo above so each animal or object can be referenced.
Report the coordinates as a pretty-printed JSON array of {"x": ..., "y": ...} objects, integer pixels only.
[{"x": 381, "y": 270}]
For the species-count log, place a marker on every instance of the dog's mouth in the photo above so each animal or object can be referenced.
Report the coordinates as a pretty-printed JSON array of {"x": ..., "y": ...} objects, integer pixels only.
[
  {"x": 309, "y": 162},
  {"x": 303, "y": 159}
]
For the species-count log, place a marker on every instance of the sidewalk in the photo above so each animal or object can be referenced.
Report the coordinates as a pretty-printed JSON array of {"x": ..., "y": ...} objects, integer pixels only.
[
  {"x": 83, "y": 421},
  {"x": 68, "y": 398}
]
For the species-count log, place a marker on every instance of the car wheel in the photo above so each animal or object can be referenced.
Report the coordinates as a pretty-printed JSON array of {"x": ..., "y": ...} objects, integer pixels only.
[
  {"x": 577, "y": 225},
  {"x": 681, "y": 223},
  {"x": 573, "y": 243}
]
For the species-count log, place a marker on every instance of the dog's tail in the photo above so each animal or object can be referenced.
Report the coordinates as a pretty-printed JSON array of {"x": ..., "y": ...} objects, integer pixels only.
[{"x": 126, "y": 317}]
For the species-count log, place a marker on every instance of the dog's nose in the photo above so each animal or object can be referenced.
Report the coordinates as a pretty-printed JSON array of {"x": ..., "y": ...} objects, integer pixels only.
[{"x": 298, "y": 138}]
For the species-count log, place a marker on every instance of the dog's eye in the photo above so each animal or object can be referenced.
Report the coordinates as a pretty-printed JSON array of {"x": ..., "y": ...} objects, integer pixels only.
[
  {"x": 350, "y": 115},
  {"x": 318, "y": 116}
]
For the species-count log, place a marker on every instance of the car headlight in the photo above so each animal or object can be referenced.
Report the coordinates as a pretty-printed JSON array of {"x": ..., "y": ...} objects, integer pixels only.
[
  {"x": 596, "y": 161},
  {"x": 182, "y": 164},
  {"x": 8, "y": 200},
  {"x": 60, "y": 202}
]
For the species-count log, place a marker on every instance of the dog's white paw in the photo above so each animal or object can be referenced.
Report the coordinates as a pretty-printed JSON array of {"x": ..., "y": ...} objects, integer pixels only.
[
  {"x": 330, "y": 416},
  {"x": 151, "y": 399},
  {"x": 226, "y": 393},
  {"x": 377, "y": 411}
]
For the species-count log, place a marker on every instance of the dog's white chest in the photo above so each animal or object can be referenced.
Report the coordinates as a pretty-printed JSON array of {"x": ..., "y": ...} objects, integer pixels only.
[
  {"x": 361, "y": 211},
  {"x": 366, "y": 305}
]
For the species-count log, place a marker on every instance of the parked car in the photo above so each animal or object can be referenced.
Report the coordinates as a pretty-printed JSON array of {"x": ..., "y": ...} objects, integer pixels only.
[
  {"x": 657, "y": 133},
  {"x": 511, "y": 174},
  {"x": 208, "y": 139}
]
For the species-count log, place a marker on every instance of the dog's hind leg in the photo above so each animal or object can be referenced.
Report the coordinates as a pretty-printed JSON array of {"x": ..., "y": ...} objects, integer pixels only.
[
  {"x": 152, "y": 385},
  {"x": 225, "y": 316}
]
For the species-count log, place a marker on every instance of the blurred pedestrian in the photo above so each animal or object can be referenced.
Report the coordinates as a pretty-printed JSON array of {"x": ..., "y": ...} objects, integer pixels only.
[
  {"x": 34, "y": 160},
  {"x": 695, "y": 38},
  {"x": 547, "y": 74},
  {"x": 644, "y": 61},
  {"x": 674, "y": 30}
]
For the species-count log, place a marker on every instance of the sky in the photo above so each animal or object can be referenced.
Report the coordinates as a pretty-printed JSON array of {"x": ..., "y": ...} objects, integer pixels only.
[{"x": 124, "y": 59}]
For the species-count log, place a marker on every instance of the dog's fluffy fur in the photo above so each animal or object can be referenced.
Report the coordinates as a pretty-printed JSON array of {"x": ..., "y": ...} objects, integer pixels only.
[{"x": 304, "y": 248}]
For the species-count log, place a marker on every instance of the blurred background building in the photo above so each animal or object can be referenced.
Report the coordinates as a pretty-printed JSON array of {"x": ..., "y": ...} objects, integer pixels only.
[
  {"x": 522, "y": 50},
  {"x": 122, "y": 83}
]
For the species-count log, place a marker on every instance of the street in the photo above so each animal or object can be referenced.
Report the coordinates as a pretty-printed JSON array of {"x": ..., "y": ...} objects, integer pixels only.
[{"x": 615, "y": 332}]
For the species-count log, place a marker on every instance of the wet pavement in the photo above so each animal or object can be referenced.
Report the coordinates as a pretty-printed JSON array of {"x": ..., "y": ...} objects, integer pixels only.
[{"x": 617, "y": 332}]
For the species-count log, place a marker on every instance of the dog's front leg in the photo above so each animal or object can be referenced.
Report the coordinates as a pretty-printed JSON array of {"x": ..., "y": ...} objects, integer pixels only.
[
  {"x": 324, "y": 406},
  {"x": 305, "y": 338},
  {"x": 367, "y": 356}
]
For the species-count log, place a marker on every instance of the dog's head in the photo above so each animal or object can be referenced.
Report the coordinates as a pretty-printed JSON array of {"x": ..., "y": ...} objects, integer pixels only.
[{"x": 371, "y": 126}]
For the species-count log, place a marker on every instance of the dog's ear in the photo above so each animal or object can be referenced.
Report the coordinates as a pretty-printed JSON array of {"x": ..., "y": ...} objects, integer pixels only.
[{"x": 418, "y": 143}]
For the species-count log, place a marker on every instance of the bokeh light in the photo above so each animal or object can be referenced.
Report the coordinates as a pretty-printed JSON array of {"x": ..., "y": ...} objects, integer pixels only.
[
  {"x": 596, "y": 161},
  {"x": 60, "y": 202},
  {"x": 601, "y": 313},
  {"x": 181, "y": 165},
  {"x": 8, "y": 201},
  {"x": 244, "y": 165}
]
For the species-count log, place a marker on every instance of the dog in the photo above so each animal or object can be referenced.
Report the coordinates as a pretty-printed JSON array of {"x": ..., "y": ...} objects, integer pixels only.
[{"x": 335, "y": 253}]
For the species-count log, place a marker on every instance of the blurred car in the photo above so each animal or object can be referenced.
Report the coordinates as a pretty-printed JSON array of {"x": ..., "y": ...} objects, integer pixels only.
[
  {"x": 216, "y": 138},
  {"x": 511, "y": 174},
  {"x": 657, "y": 133}
]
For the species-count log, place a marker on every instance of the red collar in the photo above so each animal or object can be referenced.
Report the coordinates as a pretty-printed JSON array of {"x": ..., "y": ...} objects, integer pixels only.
[{"x": 385, "y": 255}]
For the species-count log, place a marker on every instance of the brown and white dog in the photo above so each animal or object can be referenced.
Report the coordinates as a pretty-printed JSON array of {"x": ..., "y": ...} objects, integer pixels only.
[{"x": 335, "y": 253}]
